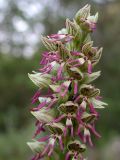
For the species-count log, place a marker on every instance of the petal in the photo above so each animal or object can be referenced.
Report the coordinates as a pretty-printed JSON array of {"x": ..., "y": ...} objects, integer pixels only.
[
  {"x": 41, "y": 105},
  {"x": 67, "y": 156},
  {"x": 75, "y": 87},
  {"x": 92, "y": 128},
  {"x": 77, "y": 98},
  {"x": 61, "y": 143},
  {"x": 43, "y": 139},
  {"x": 60, "y": 70},
  {"x": 52, "y": 103},
  {"x": 89, "y": 67},
  {"x": 59, "y": 118}
]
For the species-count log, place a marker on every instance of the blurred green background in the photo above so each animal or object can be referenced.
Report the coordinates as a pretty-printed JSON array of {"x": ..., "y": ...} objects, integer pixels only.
[{"x": 21, "y": 24}]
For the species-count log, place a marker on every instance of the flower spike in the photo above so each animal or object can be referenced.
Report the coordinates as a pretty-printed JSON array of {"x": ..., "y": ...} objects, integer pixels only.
[{"x": 66, "y": 103}]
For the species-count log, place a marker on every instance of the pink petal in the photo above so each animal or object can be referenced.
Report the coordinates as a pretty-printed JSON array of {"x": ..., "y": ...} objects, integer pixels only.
[
  {"x": 75, "y": 87},
  {"x": 65, "y": 91},
  {"x": 67, "y": 156},
  {"x": 94, "y": 131},
  {"x": 52, "y": 103},
  {"x": 65, "y": 131},
  {"x": 51, "y": 150},
  {"x": 92, "y": 109},
  {"x": 72, "y": 132},
  {"x": 89, "y": 67},
  {"x": 90, "y": 141},
  {"x": 59, "y": 118},
  {"x": 75, "y": 53},
  {"x": 61, "y": 143},
  {"x": 43, "y": 139},
  {"x": 36, "y": 157},
  {"x": 77, "y": 98},
  {"x": 35, "y": 97},
  {"x": 60, "y": 71},
  {"x": 45, "y": 150}
]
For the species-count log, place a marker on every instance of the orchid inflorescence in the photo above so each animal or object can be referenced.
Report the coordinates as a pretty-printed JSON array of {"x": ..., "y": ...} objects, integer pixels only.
[{"x": 67, "y": 103}]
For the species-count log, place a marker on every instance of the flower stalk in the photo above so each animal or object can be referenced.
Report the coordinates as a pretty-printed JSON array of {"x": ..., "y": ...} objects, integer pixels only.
[{"x": 68, "y": 104}]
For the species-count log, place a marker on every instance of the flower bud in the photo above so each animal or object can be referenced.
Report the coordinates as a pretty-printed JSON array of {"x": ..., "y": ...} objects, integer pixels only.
[
  {"x": 82, "y": 14},
  {"x": 93, "y": 19},
  {"x": 73, "y": 29},
  {"x": 97, "y": 57},
  {"x": 63, "y": 52},
  {"x": 87, "y": 47},
  {"x": 49, "y": 44}
]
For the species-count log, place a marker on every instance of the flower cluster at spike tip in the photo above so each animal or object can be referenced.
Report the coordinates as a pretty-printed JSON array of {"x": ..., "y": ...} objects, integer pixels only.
[{"x": 66, "y": 102}]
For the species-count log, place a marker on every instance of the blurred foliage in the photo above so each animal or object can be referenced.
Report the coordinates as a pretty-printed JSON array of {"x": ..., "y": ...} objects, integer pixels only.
[{"x": 16, "y": 89}]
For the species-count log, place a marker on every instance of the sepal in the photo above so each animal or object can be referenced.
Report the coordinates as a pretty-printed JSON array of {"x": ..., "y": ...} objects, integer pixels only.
[
  {"x": 43, "y": 115},
  {"x": 98, "y": 103},
  {"x": 40, "y": 80},
  {"x": 88, "y": 78},
  {"x": 36, "y": 146}
]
